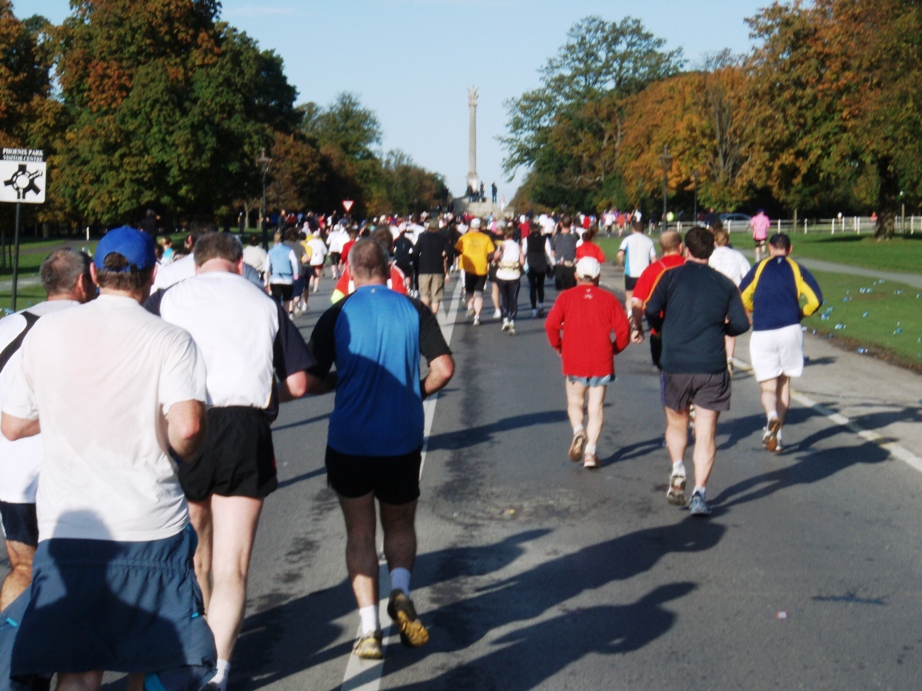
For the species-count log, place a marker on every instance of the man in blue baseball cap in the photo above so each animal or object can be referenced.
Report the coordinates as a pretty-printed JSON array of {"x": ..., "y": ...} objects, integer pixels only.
[{"x": 114, "y": 586}]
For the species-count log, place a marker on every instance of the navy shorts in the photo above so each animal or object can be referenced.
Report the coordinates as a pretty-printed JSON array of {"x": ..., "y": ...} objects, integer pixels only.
[
  {"x": 708, "y": 391},
  {"x": 297, "y": 287},
  {"x": 19, "y": 523},
  {"x": 393, "y": 479},
  {"x": 116, "y": 606}
]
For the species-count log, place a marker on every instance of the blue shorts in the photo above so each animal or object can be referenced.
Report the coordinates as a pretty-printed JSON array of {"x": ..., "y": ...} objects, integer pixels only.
[
  {"x": 297, "y": 287},
  {"x": 115, "y": 606},
  {"x": 592, "y": 381}
]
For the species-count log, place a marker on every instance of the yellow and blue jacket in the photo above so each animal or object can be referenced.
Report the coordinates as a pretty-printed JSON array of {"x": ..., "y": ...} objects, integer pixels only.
[{"x": 772, "y": 292}]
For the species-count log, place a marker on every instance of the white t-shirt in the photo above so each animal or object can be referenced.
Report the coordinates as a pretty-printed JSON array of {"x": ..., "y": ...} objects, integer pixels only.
[
  {"x": 21, "y": 461},
  {"x": 511, "y": 255},
  {"x": 730, "y": 262},
  {"x": 184, "y": 268},
  {"x": 257, "y": 257},
  {"x": 234, "y": 325},
  {"x": 337, "y": 238},
  {"x": 102, "y": 401},
  {"x": 318, "y": 251},
  {"x": 639, "y": 253}
]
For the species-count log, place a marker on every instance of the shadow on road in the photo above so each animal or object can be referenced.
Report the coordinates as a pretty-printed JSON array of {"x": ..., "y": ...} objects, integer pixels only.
[
  {"x": 472, "y": 436},
  {"x": 292, "y": 636}
]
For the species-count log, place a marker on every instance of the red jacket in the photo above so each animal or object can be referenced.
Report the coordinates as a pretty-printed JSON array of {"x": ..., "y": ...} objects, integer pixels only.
[{"x": 579, "y": 327}]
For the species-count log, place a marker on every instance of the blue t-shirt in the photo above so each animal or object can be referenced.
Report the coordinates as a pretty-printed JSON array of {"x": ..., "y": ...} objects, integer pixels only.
[{"x": 375, "y": 337}]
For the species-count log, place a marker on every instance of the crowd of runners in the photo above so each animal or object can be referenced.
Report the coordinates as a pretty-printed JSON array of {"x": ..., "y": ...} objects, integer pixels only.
[{"x": 136, "y": 460}]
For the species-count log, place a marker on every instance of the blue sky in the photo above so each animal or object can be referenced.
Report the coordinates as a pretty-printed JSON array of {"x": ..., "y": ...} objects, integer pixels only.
[{"x": 412, "y": 61}]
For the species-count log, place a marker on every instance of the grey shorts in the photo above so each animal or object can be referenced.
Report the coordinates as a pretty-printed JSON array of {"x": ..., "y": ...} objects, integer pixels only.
[
  {"x": 592, "y": 381},
  {"x": 432, "y": 286},
  {"x": 708, "y": 391}
]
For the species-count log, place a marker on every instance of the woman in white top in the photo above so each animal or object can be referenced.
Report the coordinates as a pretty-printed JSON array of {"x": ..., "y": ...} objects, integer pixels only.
[
  {"x": 511, "y": 260},
  {"x": 732, "y": 264}
]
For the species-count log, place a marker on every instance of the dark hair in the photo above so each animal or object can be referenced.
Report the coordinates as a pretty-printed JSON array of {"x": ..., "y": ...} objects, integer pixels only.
[
  {"x": 780, "y": 241},
  {"x": 590, "y": 233},
  {"x": 62, "y": 268},
  {"x": 253, "y": 240},
  {"x": 637, "y": 225},
  {"x": 218, "y": 246},
  {"x": 566, "y": 221},
  {"x": 291, "y": 235},
  {"x": 700, "y": 242},
  {"x": 368, "y": 259},
  {"x": 201, "y": 228},
  {"x": 382, "y": 234},
  {"x": 114, "y": 276}
]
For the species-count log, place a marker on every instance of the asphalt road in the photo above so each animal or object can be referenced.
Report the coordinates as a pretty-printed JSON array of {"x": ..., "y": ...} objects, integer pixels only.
[{"x": 534, "y": 573}]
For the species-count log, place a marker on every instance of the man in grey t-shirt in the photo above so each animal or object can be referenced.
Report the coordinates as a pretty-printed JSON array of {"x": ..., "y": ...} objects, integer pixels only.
[{"x": 565, "y": 255}]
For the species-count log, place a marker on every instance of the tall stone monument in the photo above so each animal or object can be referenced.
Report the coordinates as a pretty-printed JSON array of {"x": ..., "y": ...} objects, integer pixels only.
[{"x": 472, "y": 180}]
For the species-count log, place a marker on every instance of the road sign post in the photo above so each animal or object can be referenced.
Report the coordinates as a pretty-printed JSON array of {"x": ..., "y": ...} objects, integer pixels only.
[{"x": 22, "y": 181}]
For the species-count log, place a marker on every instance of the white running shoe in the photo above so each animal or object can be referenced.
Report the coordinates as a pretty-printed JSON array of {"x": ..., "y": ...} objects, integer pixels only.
[{"x": 497, "y": 314}]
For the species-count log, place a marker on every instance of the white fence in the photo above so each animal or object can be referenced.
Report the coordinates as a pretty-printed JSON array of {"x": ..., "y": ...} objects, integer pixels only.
[{"x": 846, "y": 224}]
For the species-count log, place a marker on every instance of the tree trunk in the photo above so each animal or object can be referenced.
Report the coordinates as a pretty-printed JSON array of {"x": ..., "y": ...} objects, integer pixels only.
[{"x": 888, "y": 199}]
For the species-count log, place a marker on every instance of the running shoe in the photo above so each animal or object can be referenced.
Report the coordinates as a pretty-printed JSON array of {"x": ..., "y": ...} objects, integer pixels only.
[
  {"x": 698, "y": 507},
  {"x": 476, "y": 321},
  {"x": 577, "y": 446},
  {"x": 505, "y": 324},
  {"x": 541, "y": 310},
  {"x": 470, "y": 311},
  {"x": 591, "y": 461},
  {"x": 497, "y": 314},
  {"x": 402, "y": 612},
  {"x": 369, "y": 647},
  {"x": 675, "y": 495},
  {"x": 534, "y": 312},
  {"x": 512, "y": 328},
  {"x": 770, "y": 435}
]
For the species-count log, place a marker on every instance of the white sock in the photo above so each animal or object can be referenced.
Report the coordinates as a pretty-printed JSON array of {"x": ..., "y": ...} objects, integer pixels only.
[
  {"x": 590, "y": 448},
  {"x": 678, "y": 468},
  {"x": 578, "y": 429},
  {"x": 370, "y": 621},
  {"x": 700, "y": 490},
  {"x": 773, "y": 415},
  {"x": 220, "y": 678},
  {"x": 400, "y": 580}
]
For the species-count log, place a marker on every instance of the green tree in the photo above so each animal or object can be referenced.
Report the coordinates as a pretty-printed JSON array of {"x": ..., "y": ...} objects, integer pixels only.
[
  {"x": 569, "y": 130},
  {"x": 169, "y": 108}
]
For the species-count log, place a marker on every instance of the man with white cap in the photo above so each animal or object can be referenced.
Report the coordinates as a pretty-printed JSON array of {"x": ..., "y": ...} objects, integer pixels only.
[
  {"x": 579, "y": 327},
  {"x": 475, "y": 248}
]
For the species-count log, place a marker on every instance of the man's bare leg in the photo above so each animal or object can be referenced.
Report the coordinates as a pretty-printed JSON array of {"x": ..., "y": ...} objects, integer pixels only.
[
  {"x": 235, "y": 520},
  {"x": 201, "y": 519},
  {"x": 20, "y": 575},
  {"x": 361, "y": 555},
  {"x": 398, "y": 523},
  {"x": 576, "y": 401},
  {"x": 705, "y": 445}
]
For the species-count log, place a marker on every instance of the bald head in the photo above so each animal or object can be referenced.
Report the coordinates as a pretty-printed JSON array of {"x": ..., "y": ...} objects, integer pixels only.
[{"x": 670, "y": 242}]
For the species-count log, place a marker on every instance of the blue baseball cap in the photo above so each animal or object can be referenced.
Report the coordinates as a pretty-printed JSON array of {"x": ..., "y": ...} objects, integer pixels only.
[{"x": 136, "y": 246}]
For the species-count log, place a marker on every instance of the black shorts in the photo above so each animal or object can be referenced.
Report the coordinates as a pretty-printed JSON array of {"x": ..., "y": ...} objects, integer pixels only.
[
  {"x": 238, "y": 458},
  {"x": 19, "y": 523},
  {"x": 564, "y": 277},
  {"x": 630, "y": 282},
  {"x": 335, "y": 258},
  {"x": 708, "y": 391},
  {"x": 491, "y": 272},
  {"x": 281, "y": 292},
  {"x": 656, "y": 349},
  {"x": 474, "y": 284},
  {"x": 393, "y": 479}
]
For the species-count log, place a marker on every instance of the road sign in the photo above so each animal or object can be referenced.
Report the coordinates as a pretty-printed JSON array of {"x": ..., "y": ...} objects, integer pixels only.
[
  {"x": 22, "y": 182},
  {"x": 347, "y": 204}
]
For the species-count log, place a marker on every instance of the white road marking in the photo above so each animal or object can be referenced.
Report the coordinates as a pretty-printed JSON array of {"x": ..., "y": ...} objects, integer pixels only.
[
  {"x": 895, "y": 450},
  {"x": 365, "y": 675}
]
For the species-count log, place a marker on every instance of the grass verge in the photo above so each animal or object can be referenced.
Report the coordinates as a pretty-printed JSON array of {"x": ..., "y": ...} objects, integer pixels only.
[
  {"x": 901, "y": 254},
  {"x": 880, "y": 318}
]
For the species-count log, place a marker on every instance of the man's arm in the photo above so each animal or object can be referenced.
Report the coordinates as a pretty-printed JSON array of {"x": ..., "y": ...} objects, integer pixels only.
[
  {"x": 737, "y": 317},
  {"x": 15, "y": 428},
  {"x": 621, "y": 257},
  {"x": 656, "y": 305},
  {"x": 554, "y": 323},
  {"x": 186, "y": 428},
  {"x": 441, "y": 370}
]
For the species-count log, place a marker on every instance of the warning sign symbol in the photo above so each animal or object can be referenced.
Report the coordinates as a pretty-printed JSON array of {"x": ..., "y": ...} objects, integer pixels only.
[{"x": 22, "y": 182}]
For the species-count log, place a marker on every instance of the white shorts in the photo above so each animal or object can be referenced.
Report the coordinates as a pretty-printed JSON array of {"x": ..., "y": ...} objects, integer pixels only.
[{"x": 776, "y": 352}]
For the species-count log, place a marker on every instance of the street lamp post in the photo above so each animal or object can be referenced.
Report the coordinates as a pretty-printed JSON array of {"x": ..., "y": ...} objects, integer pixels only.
[
  {"x": 666, "y": 161},
  {"x": 696, "y": 176},
  {"x": 264, "y": 162}
]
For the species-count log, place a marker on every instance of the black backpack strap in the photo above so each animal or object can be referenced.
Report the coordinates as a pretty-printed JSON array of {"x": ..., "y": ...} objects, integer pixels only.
[{"x": 16, "y": 344}]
